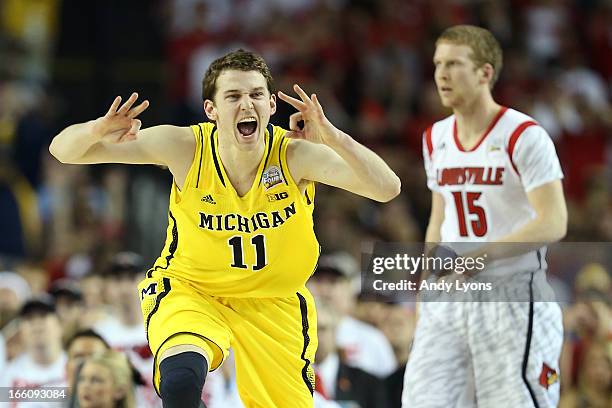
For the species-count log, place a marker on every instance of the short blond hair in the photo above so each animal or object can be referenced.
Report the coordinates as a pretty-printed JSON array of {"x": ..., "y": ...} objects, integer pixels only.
[
  {"x": 485, "y": 48},
  {"x": 121, "y": 372}
]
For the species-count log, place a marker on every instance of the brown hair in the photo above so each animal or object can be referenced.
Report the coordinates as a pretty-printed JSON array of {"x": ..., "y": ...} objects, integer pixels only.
[
  {"x": 239, "y": 60},
  {"x": 485, "y": 48}
]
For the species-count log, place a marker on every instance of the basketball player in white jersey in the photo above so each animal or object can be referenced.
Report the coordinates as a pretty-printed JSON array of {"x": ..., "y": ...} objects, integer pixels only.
[{"x": 495, "y": 178}]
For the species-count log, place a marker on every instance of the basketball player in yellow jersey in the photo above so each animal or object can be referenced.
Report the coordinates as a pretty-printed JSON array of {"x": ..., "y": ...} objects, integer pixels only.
[{"x": 240, "y": 242}]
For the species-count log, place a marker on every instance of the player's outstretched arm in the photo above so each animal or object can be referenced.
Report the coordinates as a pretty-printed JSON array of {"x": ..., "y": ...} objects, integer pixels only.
[
  {"x": 116, "y": 138},
  {"x": 327, "y": 155}
]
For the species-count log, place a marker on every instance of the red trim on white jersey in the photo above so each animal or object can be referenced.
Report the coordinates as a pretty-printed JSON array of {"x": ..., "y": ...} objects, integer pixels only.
[
  {"x": 514, "y": 138},
  {"x": 428, "y": 141},
  {"x": 497, "y": 117}
]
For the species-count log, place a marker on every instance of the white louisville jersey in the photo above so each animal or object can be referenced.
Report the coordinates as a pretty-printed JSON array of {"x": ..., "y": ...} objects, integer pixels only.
[{"x": 485, "y": 188}]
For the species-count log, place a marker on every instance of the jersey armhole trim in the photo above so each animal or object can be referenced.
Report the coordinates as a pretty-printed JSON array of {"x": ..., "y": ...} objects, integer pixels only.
[
  {"x": 429, "y": 141},
  {"x": 282, "y": 159},
  {"x": 514, "y": 139},
  {"x": 201, "y": 154},
  {"x": 270, "y": 140},
  {"x": 214, "y": 155}
]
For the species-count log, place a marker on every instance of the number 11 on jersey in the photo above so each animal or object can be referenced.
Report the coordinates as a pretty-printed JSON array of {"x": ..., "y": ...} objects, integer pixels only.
[{"x": 259, "y": 242}]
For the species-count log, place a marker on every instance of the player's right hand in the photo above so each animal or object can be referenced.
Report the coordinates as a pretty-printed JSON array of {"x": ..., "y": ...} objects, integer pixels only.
[{"x": 119, "y": 124}]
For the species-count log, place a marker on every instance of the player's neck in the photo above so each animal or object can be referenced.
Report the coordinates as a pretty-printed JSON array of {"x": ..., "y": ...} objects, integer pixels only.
[
  {"x": 474, "y": 118},
  {"x": 234, "y": 157},
  {"x": 240, "y": 165}
]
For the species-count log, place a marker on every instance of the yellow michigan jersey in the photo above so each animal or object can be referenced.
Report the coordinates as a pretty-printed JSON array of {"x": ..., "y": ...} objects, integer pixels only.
[
  {"x": 259, "y": 245},
  {"x": 232, "y": 275}
]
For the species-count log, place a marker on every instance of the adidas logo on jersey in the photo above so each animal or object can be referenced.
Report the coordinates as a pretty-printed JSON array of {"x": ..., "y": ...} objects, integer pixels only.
[{"x": 208, "y": 199}]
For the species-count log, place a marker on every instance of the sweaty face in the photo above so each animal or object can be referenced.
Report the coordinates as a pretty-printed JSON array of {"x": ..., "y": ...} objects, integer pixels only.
[
  {"x": 242, "y": 106},
  {"x": 457, "y": 78}
]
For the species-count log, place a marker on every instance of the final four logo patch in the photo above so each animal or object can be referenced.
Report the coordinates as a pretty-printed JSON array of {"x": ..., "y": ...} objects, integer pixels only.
[{"x": 271, "y": 177}]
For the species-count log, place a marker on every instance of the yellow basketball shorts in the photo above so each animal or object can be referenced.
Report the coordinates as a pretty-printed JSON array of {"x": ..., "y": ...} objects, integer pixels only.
[{"x": 274, "y": 339}]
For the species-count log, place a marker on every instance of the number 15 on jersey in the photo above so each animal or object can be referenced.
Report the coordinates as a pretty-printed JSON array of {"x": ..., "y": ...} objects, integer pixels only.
[{"x": 469, "y": 200}]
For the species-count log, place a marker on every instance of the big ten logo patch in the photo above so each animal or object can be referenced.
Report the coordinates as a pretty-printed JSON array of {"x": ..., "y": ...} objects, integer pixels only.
[
  {"x": 271, "y": 177},
  {"x": 149, "y": 290},
  {"x": 277, "y": 196}
]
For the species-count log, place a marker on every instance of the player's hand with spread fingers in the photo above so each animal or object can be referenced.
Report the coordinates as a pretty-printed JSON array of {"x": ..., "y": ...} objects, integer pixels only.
[
  {"x": 317, "y": 128},
  {"x": 92, "y": 141},
  {"x": 119, "y": 124},
  {"x": 333, "y": 157}
]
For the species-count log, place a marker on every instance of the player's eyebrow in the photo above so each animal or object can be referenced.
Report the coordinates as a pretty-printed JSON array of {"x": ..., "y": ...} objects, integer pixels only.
[{"x": 258, "y": 89}]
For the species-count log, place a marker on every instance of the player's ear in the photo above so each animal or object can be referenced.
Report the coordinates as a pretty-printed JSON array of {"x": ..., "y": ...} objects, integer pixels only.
[
  {"x": 487, "y": 72},
  {"x": 210, "y": 110},
  {"x": 272, "y": 104}
]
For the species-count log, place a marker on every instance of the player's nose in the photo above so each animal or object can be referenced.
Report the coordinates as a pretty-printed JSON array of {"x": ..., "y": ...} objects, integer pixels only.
[{"x": 246, "y": 103}]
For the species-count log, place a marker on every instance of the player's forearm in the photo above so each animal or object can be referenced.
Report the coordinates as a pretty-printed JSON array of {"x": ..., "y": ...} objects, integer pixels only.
[
  {"x": 432, "y": 235},
  {"x": 73, "y": 142},
  {"x": 377, "y": 178},
  {"x": 540, "y": 230},
  {"x": 532, "y": 235}
]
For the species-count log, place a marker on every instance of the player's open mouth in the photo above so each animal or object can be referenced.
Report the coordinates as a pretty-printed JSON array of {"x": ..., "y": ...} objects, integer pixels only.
[
  {"x": 446, "y": 89},
  {"x": 247, "y": 126}
]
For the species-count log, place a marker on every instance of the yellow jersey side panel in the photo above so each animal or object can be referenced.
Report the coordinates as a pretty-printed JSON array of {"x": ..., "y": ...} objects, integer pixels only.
[{"x": 259, "y": 245}]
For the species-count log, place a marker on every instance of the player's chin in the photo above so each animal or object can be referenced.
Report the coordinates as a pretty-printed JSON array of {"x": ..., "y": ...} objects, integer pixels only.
[{"x": 446, "y": 101}]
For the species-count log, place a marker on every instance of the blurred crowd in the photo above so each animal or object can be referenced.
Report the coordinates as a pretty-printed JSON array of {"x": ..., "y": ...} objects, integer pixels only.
[{"x": 65, "y": 230}]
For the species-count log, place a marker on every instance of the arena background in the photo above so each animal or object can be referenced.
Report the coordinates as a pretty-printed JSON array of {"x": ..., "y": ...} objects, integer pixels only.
[{"x": 370, "y": 64}]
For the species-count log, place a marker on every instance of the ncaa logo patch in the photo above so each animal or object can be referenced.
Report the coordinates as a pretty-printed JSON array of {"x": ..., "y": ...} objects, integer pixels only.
[{"x": 271, "y": 177}]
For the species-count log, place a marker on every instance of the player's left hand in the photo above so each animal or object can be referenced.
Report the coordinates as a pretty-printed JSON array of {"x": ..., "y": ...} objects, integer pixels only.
[{"x": 317, "y": 128}]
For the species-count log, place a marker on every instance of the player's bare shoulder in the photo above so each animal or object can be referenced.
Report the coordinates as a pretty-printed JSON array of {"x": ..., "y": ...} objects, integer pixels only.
[{"x": 175, "y": 145}]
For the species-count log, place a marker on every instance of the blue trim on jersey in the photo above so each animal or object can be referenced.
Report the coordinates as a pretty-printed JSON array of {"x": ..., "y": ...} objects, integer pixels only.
[
  {"x": 280, "y": 162},
  {"x": 201, "y": 154},
  {"x": 214, "y": 155},
  {"x": 305, "y": 327},
  {"x": 270, "y": 140},
  {"x": 171, "y": 249}
]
